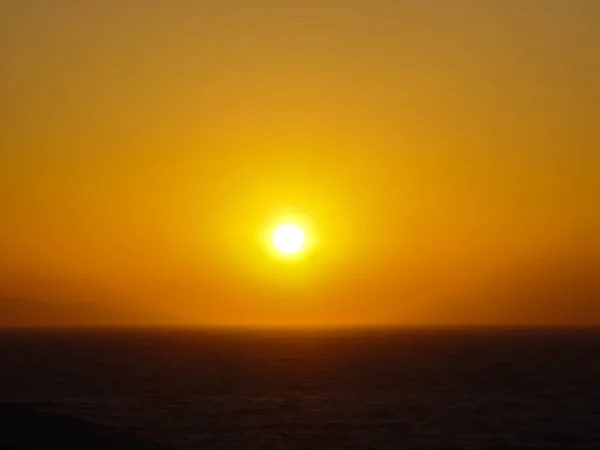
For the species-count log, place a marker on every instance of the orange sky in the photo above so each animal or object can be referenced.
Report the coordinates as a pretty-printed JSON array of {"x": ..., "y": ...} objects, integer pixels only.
[{"x": 438, "y": 148}]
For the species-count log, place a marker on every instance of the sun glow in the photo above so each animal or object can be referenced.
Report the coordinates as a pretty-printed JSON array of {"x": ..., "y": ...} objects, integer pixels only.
[{"x": 289, "y": 239}]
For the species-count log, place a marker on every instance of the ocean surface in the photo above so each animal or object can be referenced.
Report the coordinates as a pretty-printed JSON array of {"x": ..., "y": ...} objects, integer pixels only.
[{"x": 367, "y": 389}]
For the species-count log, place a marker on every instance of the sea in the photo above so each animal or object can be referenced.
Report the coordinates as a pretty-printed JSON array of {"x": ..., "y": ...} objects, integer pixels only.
[{"x": 317, "y": 389}]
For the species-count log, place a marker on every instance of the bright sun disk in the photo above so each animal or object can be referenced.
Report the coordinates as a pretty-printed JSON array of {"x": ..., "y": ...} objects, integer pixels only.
[{"x": 289, "y": 239}]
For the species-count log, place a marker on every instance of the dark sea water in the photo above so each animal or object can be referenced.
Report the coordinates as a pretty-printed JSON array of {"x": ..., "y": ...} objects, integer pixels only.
[{"x": 476, "y": 389}]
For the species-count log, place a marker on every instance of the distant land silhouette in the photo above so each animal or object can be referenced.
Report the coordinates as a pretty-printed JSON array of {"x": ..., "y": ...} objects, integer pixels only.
[
  {"x": 26, "y": 312},
  {"x": 557, "y": 290}
]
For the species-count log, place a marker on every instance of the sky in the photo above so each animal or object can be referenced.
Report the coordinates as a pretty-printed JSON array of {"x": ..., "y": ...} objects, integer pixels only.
[{"x": 444, "y": 156}]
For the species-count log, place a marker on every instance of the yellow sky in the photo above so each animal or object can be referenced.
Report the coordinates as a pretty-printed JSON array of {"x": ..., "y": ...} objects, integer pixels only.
[{"x": 433, "y": 145}]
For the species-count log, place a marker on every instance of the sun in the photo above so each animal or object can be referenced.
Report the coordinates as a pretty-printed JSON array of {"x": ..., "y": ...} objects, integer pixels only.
[{"x": 289, "y": 239}]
